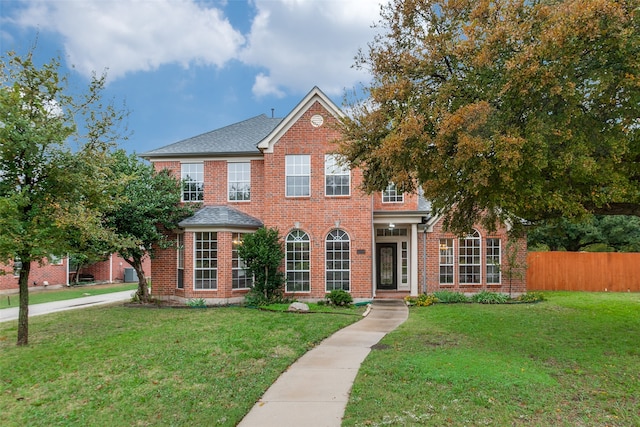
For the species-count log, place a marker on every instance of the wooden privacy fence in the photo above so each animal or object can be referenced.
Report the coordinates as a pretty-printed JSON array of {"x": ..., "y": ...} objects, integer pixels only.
[{"x": 583, "y": 271}]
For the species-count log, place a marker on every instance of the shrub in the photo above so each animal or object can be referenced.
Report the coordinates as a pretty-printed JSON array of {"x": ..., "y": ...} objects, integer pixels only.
[
  {"x": 196, "y": 303},
  {"x": 263, "y": 253},
  {"x": 531, "y": 297},
  {"x": 486, "y": 297},
  {"x": 450, "y": 297},
  {"x": 340, "y": 298},
  {"x": 422, "y": 300}
]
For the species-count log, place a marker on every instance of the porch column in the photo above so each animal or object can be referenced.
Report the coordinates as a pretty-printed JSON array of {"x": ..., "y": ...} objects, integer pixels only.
[{"x": 413, "y": 264}]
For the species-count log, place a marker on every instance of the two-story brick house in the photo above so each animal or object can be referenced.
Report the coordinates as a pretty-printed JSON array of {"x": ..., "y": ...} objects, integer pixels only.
[{"x": 283, "y": 173}]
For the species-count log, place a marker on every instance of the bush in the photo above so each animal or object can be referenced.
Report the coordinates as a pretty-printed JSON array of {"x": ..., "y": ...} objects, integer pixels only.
[
  {"x": 450, "y": 297},
  {"x": 340, "y": 298},
  {"x": 486, "y": 297},
  {"x": 196, "y": 303},
  {"x": 531, "y": 297},
  {"x": 423, "y": 300}
]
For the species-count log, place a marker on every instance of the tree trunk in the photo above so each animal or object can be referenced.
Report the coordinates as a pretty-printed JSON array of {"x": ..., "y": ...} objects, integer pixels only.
[
  {"x": 143, "y": 289},
  {"x": 23, "y": 313}
]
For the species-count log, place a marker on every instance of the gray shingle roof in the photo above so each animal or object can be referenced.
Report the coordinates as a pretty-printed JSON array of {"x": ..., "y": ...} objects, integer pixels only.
[
  {"x": 236, "y": 139},
  {"x": 220, "y": 216}
]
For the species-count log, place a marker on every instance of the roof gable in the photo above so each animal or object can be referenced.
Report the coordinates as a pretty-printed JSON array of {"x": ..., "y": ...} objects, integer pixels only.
[{"x": 315, "y": 95}]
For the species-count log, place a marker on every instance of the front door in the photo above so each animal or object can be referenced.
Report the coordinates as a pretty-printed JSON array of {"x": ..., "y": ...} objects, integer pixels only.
[{"x": 387, "y": 266}]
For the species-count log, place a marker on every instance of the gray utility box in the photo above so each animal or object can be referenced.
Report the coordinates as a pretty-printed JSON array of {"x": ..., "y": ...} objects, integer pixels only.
[{"x": 130, "y": 275}]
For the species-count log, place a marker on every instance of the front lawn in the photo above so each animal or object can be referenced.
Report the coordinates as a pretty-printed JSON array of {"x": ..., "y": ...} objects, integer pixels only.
[
  {"x": 573, "y": 360},
  {"x": 116, "y": 366}
]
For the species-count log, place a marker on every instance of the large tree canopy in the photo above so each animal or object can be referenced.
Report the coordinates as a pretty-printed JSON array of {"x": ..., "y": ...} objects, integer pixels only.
[
  {"x": 49, "y": 192},
  {"x": 503, "y": 110}
]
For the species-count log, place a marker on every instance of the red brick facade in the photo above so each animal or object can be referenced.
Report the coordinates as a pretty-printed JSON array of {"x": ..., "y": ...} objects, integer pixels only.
[{"x": 395, "y": 230}]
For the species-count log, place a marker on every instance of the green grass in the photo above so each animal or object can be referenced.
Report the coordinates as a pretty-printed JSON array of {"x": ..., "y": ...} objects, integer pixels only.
[
  {"x": 115, "y": 366},
  {"x": 573, "y": 360},
  {"x": 49, "y": 295}
]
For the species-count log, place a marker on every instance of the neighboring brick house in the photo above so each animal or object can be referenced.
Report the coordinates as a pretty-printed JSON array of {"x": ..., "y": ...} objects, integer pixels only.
[
  {"x": 283, "y": 173},
  {"x": 56, "y": 271}
]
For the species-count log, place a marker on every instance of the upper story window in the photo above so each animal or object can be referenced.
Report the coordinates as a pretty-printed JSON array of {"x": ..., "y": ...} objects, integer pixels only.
[
  {"x": 298, "y": 171},
  {"x": 239, "y": 181},
  {"x": 391, "y": 194},
  {"x": 192, "y": 176},
  {"x": 337, "y": 176}
]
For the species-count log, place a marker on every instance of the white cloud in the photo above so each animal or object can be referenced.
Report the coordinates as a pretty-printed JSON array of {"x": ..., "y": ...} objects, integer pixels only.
[
  {"x": 303, "y": 43},
  {"x": 138, "y": 35},
  {"x": 294, "y": 44}
]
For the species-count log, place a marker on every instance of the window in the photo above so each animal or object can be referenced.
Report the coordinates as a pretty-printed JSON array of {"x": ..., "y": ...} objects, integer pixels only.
[
  {"x": 298, "y": 265},
  {"x": 337, "y": 259},
  {"x": 386, "y": 232},
  {"x": 239, "y": 181},
  {"x": 336, "y": 176},
  {"x": 298, "y": 171},
  {"x": 206, "y": 260},
  {"x": 404, "y": 258},
  {"x": 469, "y": 259},
  {"x": 192, "y": 176},
  {"x": 493, "y": 260},
  {"x": 241, "y": 278},
  {"x": 55, "y": 259},
  {"x": 391, "y": 194},
  {"x": 446, "y": 261},
  {"x": 180, "y": 255}
]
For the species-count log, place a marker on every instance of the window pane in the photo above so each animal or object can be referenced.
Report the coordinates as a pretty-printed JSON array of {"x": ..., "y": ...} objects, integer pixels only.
[
  {"x": 206, "y": 261},
  {"x": 239, "y": 181},
  {"x": 298, "y": 268},
  {"x": 192, "y": 176},
  {"x": 469, "y": 259},
  {"x": 337, "y": 255},
  {"x": 298, "y": 171}
]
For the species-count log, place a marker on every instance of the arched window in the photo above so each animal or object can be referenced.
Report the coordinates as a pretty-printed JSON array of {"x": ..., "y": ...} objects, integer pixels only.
[
  {"x": 298, "y": 261},
  {"x": 469, "y": 259},
  {"x": 338, "y": 264}
]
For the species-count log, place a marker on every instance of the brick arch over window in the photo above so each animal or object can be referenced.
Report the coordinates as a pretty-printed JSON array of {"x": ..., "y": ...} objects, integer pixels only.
[
  {"x": 469, "y": 259},
  {"x": 337, "y": 260},
  {"x": 298, "y": 261}
]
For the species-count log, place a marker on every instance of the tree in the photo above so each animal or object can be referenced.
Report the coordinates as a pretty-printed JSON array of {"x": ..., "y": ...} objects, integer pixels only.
[
  {"x": 262, "y": 253},
  {"x": 47, "y": 190},
  {"x": 597, "y": 233},
  {"x": 149, "y": 207},
  {"x": 503, "y": 110}
]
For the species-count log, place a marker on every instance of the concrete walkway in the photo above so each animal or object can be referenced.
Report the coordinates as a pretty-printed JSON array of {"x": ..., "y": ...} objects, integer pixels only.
[
  {"x": 314, "y": 391},
  {"x": 7, "y": 314}
]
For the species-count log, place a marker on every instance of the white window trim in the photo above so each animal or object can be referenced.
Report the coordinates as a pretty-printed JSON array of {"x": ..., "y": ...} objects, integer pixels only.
[
  {"x": 182, "y": 182},
  {"x": 326, "y": 270},
  {"x": 336, "y": 167},
  {"x": 229, "y": 182},
  {"x": 487, "y": 264},
  {"x": 287, "y": 262},
  {"x": 453, "y": 262},
  {"x": 480, "y": 253},
  {"x": 397, "y": 198},
  {"x": 195, "y": 248},
  {"x": 287, "y": 174}
]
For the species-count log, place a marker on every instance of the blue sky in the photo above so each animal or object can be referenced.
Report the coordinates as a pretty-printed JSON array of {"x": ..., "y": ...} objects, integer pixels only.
[{"x": 184, "y": 67}]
